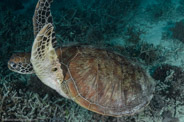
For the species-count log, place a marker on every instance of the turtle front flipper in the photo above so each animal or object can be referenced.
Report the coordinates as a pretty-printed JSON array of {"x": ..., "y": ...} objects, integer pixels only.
[
  {"x": 20, "y": 63},
  {"x": 45, "y": 61},
  {"x": 43, "y": 16}
]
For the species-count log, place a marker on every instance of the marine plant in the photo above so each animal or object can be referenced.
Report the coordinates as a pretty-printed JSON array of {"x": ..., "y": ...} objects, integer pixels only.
[{"x": 107, "y": 18}]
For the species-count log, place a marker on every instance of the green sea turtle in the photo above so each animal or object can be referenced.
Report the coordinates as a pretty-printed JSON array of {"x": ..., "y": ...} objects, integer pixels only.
[{"x": 96, "y": 79}]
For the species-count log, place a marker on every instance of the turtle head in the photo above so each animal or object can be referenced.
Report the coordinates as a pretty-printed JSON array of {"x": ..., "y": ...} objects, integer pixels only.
[
  {"x": 20, "y": 63},
  {"x": 44, "y": 59}
]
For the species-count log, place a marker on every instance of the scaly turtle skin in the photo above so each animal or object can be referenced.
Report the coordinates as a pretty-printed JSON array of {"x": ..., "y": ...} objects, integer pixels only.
[
  {"x": 98, "y": 80},
  {"x": 20, "y": 63}
]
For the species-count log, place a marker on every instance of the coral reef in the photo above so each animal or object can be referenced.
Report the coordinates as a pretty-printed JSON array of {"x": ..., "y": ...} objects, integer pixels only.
[
  {"x": 180, "y": 8},
  {"x": 171, "y": 77},
  {"x": 161, "y": 10},
  {"x": 23, "y": 102},
  {"x": 16, "y": 5},
  {"x": 93, "y": 21},
  {"x": 169, "y": 94},
  {"x": 178, "y": 31},
  {"x": 16, "y": 32},
  {"x": 148, "y": 53},
  {"x": 133, "y": 34}
]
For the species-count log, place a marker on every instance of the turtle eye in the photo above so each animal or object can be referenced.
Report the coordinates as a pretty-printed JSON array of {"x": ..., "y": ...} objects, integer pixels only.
[
  {"x": 54, "y": 69},
  {"x": 13, "y": 65}
]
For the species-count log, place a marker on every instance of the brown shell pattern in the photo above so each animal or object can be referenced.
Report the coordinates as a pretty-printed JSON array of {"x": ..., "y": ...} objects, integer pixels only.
[{"x": 104, "y": 82}]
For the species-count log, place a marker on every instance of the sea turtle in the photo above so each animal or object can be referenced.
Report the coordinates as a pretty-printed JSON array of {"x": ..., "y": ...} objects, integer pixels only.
[{"x": 98, "y": 80}]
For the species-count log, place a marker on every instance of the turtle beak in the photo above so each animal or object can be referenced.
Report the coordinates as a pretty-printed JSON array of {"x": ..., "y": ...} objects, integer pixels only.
[{"x": 9, "y": 67}]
